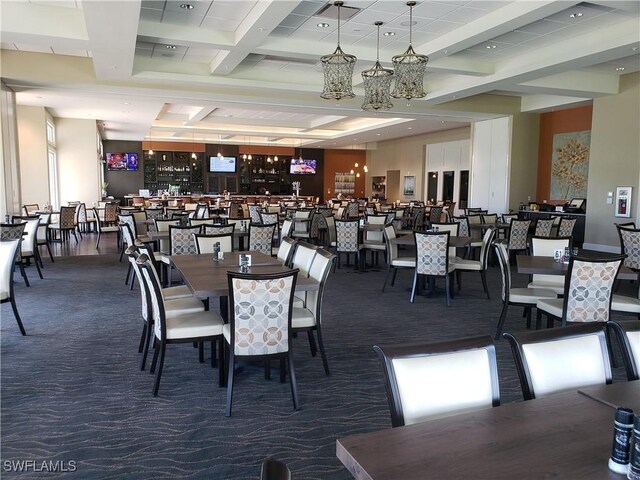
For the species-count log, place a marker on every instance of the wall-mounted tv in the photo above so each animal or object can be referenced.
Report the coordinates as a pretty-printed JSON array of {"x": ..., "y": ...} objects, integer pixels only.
[
  {"x": 303, "y": 167},
  {"x": 122, "y": 161},
  {"x": 222, "y": 164}
]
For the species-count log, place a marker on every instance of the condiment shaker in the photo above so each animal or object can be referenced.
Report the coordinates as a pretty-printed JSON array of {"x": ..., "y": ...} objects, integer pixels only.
[{"x": 621, "y": 449}]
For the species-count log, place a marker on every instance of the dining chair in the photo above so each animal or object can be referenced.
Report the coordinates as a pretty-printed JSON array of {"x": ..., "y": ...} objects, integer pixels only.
[
  {"x": 30, "y": 209},
  {"x": 566, "y": 226},
  {"x": 181, "y": 242},
  {"x": 261, "y": 237},
  {"x": 28, "y": 247},
  {"x": 205, "y": 243},
  {"x": 432, "y": 261},
  {"x": 168, "y": 293},
  {"x": 546, "y": 247},
  {"x": 13, "y": 231},
  {"x": 626, "y": 303},
  {"x": 628, "y": 334},
  {"x": 630, "y": 246},
  {"x": 192, "y": 222},
  {"x": 347, "y": 241},
  {"x": 332, "y": 235},
  {"x": 480, "y": 266},
  {"x": 66, "y": 224},
  {"x": 475, "y": 233},
  {"x": 587, "y": 292},
  {"x": 202, "y": 211},
  {"x": 153, "y": 214},
  {"x": 309, "y": 316},
  {"x": 425, "y": 381},
  {"x": 559, "y": 359},
  {"x": 435, "y": 214},
  {"x": 395, "y": 261},
  {"x": 518, "y": 234},
  {"x": 254, "y": 214},
  {"x": 110, "y": 214},
  {"x": 374, "y": 239},
  {"x": 201, "y": 326},
  {"x": 9, "y": 248},
  {"x": 260, "y": 315},
  {"x": 489, "y": 218},
  {"x": 286, "y": 250},
  {"x": 519, "y": 296},
  {"x": 42, "y": 236},
  {"x": 543, "y": 227},
  {"x": 274, "y": 470},
  {"x": 100, "y": 229}
]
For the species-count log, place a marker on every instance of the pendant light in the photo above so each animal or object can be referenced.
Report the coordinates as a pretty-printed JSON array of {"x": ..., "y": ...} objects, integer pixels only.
[
  {"x": 219, "y": 146},
  {"x": 150, "y": 144},
  {"x": 377, "y": 83},
  {"x": 338, "y": 70},
  {"x": 409, "y": 68},
  {"x": 193, "y": 144}
]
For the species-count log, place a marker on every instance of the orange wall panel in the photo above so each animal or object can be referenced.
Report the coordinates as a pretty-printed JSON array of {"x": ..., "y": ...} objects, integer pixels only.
[
  {"x": 343, "y": 161},
  {"x": 563, "y": 121}
]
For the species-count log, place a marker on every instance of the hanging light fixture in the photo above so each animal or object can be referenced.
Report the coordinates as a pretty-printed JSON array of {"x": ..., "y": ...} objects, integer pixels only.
[
  {"x": 219, "y": 146},
  {"x": 301, "y": 159},
  {"x": 150, "y": 144},
  {"x": 249, "y": 157},
  {"x": 193, "y": 142},
  {"x": 338, "y": 70},
  {"x": 377, "y": 83},
  {"x": 409, "y": 68}
]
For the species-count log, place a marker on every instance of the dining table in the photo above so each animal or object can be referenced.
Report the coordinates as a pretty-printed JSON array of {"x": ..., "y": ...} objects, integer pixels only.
[
  {"x": 539, "y": 265},
  {"x": 565, "y": 435},
  {"x": 164, "y": 235},
  {"x": 454, "y": 241}
]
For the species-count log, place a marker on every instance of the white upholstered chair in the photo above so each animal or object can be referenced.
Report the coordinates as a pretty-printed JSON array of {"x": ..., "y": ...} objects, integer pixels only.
[
  {"x": 8, "y": 252},
  {"x": 545, "y": 247},
  {"x": 628, "y": 335},
  {"x": 433, "y": 380}
]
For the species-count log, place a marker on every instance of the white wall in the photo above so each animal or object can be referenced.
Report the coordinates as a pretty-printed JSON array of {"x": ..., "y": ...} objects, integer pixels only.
[
  {"x": 34, "y": 170},
  {"x": 9, "y": 159},
  {"x": 78, "y": 163}
]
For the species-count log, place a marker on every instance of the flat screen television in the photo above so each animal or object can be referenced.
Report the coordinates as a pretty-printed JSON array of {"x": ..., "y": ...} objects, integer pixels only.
[
  {"x": 303, "y": 167},
  {"x": 222, "y": 164},
  {"x": 122, "y": 161}
]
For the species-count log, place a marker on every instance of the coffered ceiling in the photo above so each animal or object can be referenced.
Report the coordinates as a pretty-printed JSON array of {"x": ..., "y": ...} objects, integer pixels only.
[{"x": 248, "y": 71}]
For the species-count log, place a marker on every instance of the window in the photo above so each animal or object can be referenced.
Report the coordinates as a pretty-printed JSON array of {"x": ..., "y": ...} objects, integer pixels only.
[
  {"x": 54, "y": 194},
  {"x": 51, "y": 133}
]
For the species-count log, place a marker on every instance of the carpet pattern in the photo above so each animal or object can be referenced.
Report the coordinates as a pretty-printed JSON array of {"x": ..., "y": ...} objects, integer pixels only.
[{"x": 72, "y": 390}]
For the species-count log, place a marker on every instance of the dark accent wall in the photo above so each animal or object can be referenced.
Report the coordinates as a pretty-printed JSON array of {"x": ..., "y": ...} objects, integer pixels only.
[{"x": 123, "y": 183}]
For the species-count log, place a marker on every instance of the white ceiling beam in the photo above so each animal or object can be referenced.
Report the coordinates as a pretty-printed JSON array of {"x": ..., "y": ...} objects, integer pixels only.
[
  {"x": 542, "y": 103},
  {"x": 187, "y": 36},
  {"x": 574, "y": 83},
  {"x": 263, "y": 18},
  {"x": 41, "y": 23},
  {"x": 201, "y": 114},
  {"x": 112, "y": 28}
]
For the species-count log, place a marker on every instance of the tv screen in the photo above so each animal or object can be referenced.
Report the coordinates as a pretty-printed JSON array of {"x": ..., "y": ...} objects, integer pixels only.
[
  {"x": 222, "y": 164},
  {"x": 302, "y": 167},
  {"x": 122, "y": 161}
]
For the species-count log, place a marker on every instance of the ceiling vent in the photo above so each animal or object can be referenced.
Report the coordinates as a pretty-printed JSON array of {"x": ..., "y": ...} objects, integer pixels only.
[{"x": 331, "y": 11}]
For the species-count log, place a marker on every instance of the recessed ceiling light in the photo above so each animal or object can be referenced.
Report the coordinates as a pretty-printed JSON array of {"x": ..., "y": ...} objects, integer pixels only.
[
  {"x": 619, "y": 69},
  {"x": 409, "y": 128},
  {"x": 443, "y": 122},
  {"x": 406, "y": 24},
  {"x": 389, "y": 34},
  {"x": 170, "y": 47},
  {"x": 491, "y": 46},
  {"x": 126, "y": 103},
  {"x": 186, "y": 6},
  {"x": 323, "y": 25},
  {"x": 576, "y": 15},
  {"x": 378, "y": 134}
]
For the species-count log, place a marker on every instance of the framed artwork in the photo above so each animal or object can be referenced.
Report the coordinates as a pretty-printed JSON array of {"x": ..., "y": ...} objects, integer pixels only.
[
  {"x": 570, "y": 165},
  {"x": 409, "y": 185},
  {"x": 623, "y": 201}
]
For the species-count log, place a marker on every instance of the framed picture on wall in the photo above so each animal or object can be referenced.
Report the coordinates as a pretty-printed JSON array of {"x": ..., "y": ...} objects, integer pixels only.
[
  {"x": 409, "y": 185},
  {"x": 623, "y": 201}
]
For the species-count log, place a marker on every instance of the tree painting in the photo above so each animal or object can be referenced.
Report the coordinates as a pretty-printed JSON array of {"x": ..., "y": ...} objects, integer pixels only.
[{"x": 570, "y": 165}]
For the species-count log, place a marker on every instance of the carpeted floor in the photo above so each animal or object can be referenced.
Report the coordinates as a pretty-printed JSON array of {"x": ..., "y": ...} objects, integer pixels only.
[{"x": 72, "y": 390}]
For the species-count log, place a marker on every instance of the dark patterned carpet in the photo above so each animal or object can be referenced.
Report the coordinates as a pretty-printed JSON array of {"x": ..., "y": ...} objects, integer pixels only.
[{"x": 72, "y": 391}]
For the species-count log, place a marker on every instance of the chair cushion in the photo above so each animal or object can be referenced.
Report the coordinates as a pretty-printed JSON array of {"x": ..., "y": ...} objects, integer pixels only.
[
  {"x": 161, "y": 257},
  {"x": 109, "y": 229},
  {"x": 298, "y": 302},
  {"x": 557, "y": 287},
  {"x": 4, "y": 295},
  {"x": 465, "y": 264},
  {"x": 182, "y": 306},
  {"x": 404, "y": 262},
  {"x": 531, "y": 295},
  {"x": 302, "y": 318},
  {"x": 179, "y": 291},
  {"x": 551, "y": 306},
  {"x": 374, "y": 245},
  {"x": 202, "y": 324},
  {"x": 623, "y": 303}
]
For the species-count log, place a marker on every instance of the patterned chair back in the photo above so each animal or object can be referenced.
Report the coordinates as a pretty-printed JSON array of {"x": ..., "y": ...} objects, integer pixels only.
[
  {"x": 588, "y": 290},
  {"x": 261, "y": 237},
  {"x": 434, "y": 214},
  {"x": 219, "y": 229},
  {"x": 347, "y": 236},
  {"x": 67, "y": 218},
  {"x": 153, "y": 214},
  {"x": 127, "y": 219},
  {"x": 254, "y": 214},
  {"x": 110, "y": 213},
  {"x": 267, "y": 218},
  {"x": 463, "y": 226},
  {"x": 235, "y": 210},
  {"x": 543, "y": 227},
  {"x": 490, "y": 218},
  {"x": 81, "y": 213},
  {"x": 630, "y": 244},
  {"x": 260, "y": 308},
  {"x": 518, "y": 234},
  {"x": 181, "y": 240},
  {"x": 432, "y": 253},
  {"x": 565, "y": 227},
  {"x": 353, "y": 210}
]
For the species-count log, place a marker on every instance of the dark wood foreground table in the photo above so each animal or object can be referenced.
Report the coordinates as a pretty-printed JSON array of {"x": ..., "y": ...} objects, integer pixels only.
[
  {"x": 454, "y": 241},
  {"x": 567, "y": 435},
  {"x": 208, "y": 278},
  {"x": 626, "y": 394},
  {"x": 548, "y": 266}
]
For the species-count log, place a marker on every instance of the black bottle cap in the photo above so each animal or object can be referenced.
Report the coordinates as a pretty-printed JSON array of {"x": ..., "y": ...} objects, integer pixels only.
[{"x": 626, "y": 417}]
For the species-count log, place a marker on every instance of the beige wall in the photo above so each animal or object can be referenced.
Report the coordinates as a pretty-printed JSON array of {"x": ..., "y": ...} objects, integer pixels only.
[
  {"x": 32, "y": 139},
  {"x": 614, "y": 161},
  {"x": 78, "y": 161}
]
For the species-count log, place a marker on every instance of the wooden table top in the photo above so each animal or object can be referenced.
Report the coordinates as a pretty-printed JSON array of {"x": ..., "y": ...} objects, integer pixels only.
[
  {"x": 567, "y": 435},
  {"x": 208, "y": 278},
  {"x": 548, "y": 266},
  {"x": 616, "y": 395},
  {"x": 165, "y": 235},
  {"x": 483, "y": 226},
  {"x": 454, "y": 241}
]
